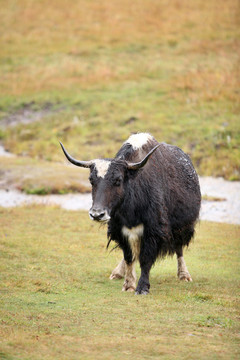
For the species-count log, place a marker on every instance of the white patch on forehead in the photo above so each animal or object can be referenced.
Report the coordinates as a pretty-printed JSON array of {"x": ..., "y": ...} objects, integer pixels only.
[
  {"x": 134, "y": 238},
  {"x": 138, "y": 140},
  {"x": 102, "y": 167}
]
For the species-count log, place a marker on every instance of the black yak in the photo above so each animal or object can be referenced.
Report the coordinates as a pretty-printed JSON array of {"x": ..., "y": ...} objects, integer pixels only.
[{"x": 150, "y": 198}]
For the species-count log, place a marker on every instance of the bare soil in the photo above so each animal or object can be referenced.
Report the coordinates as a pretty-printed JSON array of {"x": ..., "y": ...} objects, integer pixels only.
[{"x": 28, "y": 114}]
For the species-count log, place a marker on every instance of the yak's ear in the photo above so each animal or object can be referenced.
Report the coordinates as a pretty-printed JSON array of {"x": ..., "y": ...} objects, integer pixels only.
[
  {"x": 85, "y": 164},
  {"x": 136, "y": 166}
]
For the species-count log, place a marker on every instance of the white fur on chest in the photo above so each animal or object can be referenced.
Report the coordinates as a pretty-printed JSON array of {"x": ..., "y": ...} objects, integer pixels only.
[{"x": 134, "y": 238}]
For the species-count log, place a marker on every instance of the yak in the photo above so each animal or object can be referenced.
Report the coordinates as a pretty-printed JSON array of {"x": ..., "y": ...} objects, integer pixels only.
[{"x": 149, "y": 197}]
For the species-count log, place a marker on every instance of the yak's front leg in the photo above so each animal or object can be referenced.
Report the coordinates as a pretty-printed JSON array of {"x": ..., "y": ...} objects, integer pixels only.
[
  {"x": 146, "y": 259},
  {"x": 182, "y": 273},
  {"x": 119, "y": 271},
  {"x": 130, "y": 277},
  {"x": 143, "y": 283}
]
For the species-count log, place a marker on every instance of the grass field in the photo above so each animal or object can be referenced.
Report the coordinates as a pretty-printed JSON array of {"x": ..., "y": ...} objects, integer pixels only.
[
  {"x": 101, "y": 70},
  {"x": 90, "y": 73},
  {"x": 57, "y": 301}
]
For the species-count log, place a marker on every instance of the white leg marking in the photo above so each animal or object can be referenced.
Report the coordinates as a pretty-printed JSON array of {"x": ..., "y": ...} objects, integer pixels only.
[
  {"x": 183, "y": 273},
  {"x": 119, "y": 271},
  {"x": 134, "y": 238},
  {"x": 130, "y": 278}
]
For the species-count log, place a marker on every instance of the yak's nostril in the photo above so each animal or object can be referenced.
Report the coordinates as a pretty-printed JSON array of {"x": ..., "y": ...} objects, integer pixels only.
[{"x": 97, "y": 214}]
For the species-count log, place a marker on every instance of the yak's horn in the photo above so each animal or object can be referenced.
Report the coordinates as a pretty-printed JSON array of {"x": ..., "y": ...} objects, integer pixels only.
[
  {"x": 138, "y": 165},
  {"x": 85, "y": 164}
]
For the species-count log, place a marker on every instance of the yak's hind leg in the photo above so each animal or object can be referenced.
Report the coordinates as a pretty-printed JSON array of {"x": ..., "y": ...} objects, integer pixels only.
[
  {"x": 183, "y": 238},
  {"x": 123, "y": 270},
  {"x": 182, "y": 273},
  {"x": 119, "y": 271}
]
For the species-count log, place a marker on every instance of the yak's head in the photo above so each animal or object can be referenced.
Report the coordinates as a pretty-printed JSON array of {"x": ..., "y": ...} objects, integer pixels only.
[{"x": 108, "y": 178}]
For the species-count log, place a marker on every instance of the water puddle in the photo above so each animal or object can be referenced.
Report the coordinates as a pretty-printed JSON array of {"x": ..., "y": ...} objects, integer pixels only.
[
  {"x": 11, "y": 198},
  {"x": 227, "y": 211}
]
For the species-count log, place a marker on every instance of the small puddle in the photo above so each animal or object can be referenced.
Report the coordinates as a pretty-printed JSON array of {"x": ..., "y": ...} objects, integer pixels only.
[
  {"x": 12, "y": 198},
  {"x": 227, "y": 211}
]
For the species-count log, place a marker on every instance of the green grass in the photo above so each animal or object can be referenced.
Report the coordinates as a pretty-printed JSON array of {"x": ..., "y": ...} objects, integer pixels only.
[
  {"x": 58, "y": 303},
  {"x": 114, "y": 68}
]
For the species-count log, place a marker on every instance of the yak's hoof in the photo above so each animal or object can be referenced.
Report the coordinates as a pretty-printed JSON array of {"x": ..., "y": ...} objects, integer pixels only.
[
  {"x": 185, "y": 277},
  {"x": 141, "y": 292},
  {"x": 129, "y": 286},
  {"x": 130, "y": 289},
  {"x": 114, "y": 276}
]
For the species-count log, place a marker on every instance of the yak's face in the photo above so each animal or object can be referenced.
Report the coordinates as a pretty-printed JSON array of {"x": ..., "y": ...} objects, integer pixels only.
[{"x": 108, "y": 179}]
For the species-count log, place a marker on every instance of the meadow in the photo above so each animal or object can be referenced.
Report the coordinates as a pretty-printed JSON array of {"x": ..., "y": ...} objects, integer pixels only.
[
  {"x": 89, "y": 74},
  {"x": 57, "y": 301},
  {"x": 96, "y": 72}
]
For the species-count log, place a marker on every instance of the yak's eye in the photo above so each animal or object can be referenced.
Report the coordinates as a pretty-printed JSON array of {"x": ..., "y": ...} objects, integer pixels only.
[{"x": 117, "y": 181}]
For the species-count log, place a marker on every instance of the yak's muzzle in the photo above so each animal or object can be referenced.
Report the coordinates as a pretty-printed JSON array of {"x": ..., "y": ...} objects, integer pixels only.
[{"x": 98, "y": 214}]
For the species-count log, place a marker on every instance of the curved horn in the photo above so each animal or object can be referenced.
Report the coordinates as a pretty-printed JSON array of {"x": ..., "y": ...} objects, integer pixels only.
[
  {"x": 136, "y": 166},
  {"x": 85, "y": 164}
]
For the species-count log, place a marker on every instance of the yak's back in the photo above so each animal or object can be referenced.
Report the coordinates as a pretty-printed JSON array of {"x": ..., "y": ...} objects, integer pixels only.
[
  {"x": 169, "y": 168},
  {"x": 136, "y": 147},
  {"x": 171, "y": 158},
  {"x": 178, "y": 166}
]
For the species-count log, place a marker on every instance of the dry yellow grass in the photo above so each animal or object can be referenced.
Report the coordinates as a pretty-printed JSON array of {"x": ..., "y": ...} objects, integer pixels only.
[
  {"x": 172, "y": 67},
  {"x": 57, "y": 37}
]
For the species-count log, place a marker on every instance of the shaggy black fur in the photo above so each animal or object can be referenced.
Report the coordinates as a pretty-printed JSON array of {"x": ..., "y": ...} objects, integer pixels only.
[{"x": 164, "y": 196}]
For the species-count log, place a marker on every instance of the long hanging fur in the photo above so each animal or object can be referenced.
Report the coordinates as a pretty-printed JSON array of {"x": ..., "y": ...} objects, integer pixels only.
[{"x": 164, "y": 196}]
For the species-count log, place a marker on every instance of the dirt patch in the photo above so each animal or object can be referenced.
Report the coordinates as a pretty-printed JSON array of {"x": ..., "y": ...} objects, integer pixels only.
[
  {"x": 41, "y": 177},
  {"x": 29, "y": 113}
]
